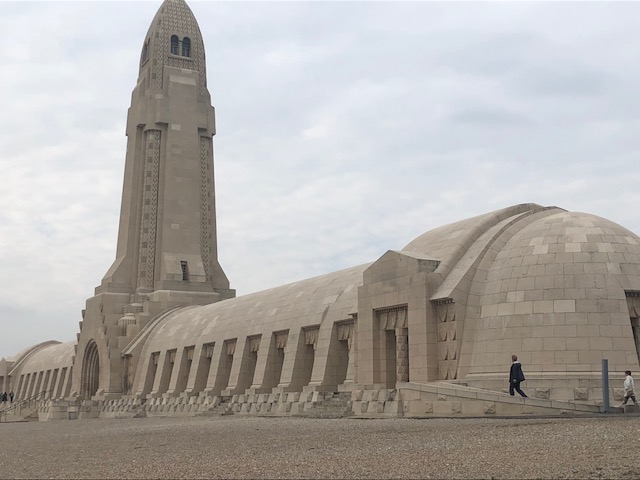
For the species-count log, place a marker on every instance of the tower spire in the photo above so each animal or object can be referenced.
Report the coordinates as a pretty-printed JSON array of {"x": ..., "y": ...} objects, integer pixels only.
[
  {"x": 167, "y": 238},
  {"x": 167, "y": 242}
]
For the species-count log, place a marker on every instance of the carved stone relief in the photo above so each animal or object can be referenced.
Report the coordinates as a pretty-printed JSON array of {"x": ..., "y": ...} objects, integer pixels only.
[
  {"x": 281, "y": 339},
  {"x": 311, "y": 336},
  {"x": 447, "y": 340},
  {"x": 147, "y": 247},
  {"x": 230, "y": 346},
  {"x": 254, "y": 344}
]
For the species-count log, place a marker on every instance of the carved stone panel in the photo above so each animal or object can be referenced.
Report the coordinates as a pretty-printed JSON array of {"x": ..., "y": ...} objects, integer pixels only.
[
  {"x": 149, "y": 213},
  {"x": 311, "y": 336},
  {"x": 447, "y": 340},
  {"x": 402, "y": 354},
  {"x": 230, "y": 346},
  {"x": 392, "y": 318},
  {"x": 254, "y": 343},
  {"x": 281, "y": 339}
]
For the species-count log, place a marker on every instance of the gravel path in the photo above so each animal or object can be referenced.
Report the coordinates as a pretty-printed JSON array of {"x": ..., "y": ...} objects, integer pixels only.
[{"x": 252, "y": 447}]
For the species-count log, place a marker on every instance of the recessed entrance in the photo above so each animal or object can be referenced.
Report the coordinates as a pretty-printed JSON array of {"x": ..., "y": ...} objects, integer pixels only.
[{"x": 90, "y": 370}]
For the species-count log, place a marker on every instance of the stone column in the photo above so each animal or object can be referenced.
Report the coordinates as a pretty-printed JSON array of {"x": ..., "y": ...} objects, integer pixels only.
[
  {"x": 46, "y": 384},
  {"x": 163, "y": 365},
  {"x": 352, "y": 344},
  {"x": 57, "y": 384},
  {"x": 67, "y": 380},
  {"x": 197, "y": 366},
  {"x": 218, "y": 349},
  {"x": 179, "y": 359}
]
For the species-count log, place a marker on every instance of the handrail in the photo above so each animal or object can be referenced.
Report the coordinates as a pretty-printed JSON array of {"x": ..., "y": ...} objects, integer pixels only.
[{"x": 18, "y": 405}]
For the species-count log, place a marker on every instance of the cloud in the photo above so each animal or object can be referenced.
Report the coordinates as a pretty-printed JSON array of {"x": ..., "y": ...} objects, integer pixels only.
[{"x": 344, "y": 129}]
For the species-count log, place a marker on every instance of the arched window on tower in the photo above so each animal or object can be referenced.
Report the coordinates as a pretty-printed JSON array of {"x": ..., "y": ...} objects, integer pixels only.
[
  {"x": 186, "y": 47},
  {"x": 175, "y": 45}
]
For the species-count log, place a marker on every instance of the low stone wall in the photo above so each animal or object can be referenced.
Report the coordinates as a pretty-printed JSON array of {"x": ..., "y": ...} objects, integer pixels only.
[
  {"x": 583, "y": 389},
  {"x": 446, "y": 400},
  {"x": 408, "y": 400},
  {"x": 272, "y": 404},
  {"x": 67, "y": 410}
]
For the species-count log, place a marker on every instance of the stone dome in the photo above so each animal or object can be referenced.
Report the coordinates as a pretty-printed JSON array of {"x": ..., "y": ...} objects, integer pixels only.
[
  {"x": 556, "y": 295},
  {"x": 54, "y": 356}
]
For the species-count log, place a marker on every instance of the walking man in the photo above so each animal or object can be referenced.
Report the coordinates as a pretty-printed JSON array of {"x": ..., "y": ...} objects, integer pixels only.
[
  {"x": 516, "y": 376},
  {"x": 629, "y": 388}
]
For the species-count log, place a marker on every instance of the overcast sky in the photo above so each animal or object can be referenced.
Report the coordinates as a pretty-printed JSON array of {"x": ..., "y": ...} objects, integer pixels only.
[{"x": 345, "y": 129}]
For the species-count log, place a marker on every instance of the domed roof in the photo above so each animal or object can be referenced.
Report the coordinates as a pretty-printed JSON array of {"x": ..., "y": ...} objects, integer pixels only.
[
  {"x": 50, "y": 357},
  {"x": 555, "y": 294},
  {"x": 21, "y": 356},
  {"x": 443, "y": 242},
  {"x": 326, "y": 298}
]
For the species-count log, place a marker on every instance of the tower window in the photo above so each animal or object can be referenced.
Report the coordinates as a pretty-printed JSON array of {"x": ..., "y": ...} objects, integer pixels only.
[
  {"x": 186, "y": 47},
  {"x": 185, "y": 270},
  {"x": 174, "y": 45}
]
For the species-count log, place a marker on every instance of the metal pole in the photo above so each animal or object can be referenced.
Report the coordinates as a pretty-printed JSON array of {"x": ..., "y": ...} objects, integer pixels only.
[{"x": 605, "y": 385}]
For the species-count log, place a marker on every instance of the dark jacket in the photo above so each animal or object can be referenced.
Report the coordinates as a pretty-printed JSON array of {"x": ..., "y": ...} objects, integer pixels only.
[{"x": 516, "y": 375}]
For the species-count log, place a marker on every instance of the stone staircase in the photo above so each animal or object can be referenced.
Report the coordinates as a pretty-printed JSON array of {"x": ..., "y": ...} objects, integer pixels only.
[
  {"x": 25, "y": 414},
  {"x": 332, "y": 405},
  {"x": 30, "y": 414},
  {"x": 222, "y": 408},
  {"x": 215, "y": 406}
]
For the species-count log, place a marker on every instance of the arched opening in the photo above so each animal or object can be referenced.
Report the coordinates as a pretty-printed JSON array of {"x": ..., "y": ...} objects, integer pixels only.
[
  {"x": 186, "y": 47},
  {"x": 90, "y": 370},
  {"x": 175, "y": 42}
]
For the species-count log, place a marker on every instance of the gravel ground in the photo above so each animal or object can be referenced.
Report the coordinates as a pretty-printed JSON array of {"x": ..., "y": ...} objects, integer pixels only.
[{"x": 253, "y": 447}]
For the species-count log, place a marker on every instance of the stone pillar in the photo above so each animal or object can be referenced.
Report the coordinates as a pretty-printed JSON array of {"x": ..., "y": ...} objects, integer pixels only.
[
  {"x": 239, "y": 352},
  {"x": 54, "y": 382},
  {"x": 180, "y": 358},
  {"x": 46, "y": 384},
  {"x": 218, "y": 349},
  {"x": 348, "y": 332},
  {"x": 67, "y": 380},
  {"x": 160, "y": 372},
  {"x": 321, "y": 342},
  {"x": 57, "y": 383},
  {"x": 32, "y": 385},
  {"x": 310, "y": 365},
  {"x": 21, "y": 386},
  {"x": 200, "y": 360},
  {"x": 39, "y": 383},
  {"x": 261, "y": 371},
  {"x": 291, "y": 360}
]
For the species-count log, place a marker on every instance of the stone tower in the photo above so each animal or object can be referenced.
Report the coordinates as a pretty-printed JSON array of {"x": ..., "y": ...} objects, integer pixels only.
[{"x": 167, "y": 244}]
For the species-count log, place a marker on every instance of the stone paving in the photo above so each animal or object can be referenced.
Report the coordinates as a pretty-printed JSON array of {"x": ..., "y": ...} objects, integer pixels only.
[{"x": 252, "y": 447}]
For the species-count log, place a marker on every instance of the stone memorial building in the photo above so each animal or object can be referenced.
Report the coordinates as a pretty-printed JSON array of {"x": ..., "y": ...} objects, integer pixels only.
[{"x": 426, "y": 329}]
